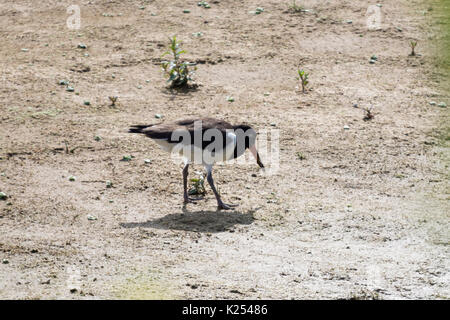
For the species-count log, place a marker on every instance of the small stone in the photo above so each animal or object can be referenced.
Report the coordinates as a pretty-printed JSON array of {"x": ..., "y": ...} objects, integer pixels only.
[
  {"x": 139, "y": 87},
  {"x": 91, "y": 217},
  {"x": 186, "y": 11},
  {"x": 126, "y": 158},
  {"x": 109, "y": 184},
  {"x": 442, "y": 105},
  {"x": 266, "y": 94},
  {"x": 346, "y": 128},
  {"x": 72, "y": 178},
  {"x": 374, "y": 57},
  {"x": 147, "y": 161},
  {"x": 259, "y": 10},
  {"x": 230, "y": 99},
  {"x": 372, "y": 61},
  {"x": 24, "y": 50},
  {"x": 273, "y": 124},
  {"x": 73, "y": 290},
  {"x": 86, "y": 103},
  {"x": 81, "y": 46},
  {"x": 113, "y": 76},
  {"x": 349, "y": 21},
  {"x": 355, "y": 105},
  {"x": 70, "y": 89},
  {"x": 158, "y": 116},
  {"x": 5, "y": 261},
  {"x": 97, "y": 138},
  {"x": 147, "y": 81},
  {"x": 3, "y": 196},
  {"x": 63, "y": 82}
]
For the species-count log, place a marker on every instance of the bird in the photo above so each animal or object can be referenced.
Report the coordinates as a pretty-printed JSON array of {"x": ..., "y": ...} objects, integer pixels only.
[{"x": 203, "y": 141}]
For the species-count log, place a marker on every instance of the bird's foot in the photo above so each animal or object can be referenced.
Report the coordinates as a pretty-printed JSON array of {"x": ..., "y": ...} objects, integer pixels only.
[
  {"x": 191, "y": 200},
  {"x": 224, "y": 206}
]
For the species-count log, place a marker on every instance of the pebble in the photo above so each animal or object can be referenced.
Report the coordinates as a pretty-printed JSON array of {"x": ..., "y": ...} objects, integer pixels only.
[
  {"x": 3, "y": 196},
  {"x": 91, "y": 217},
  {"x": 158, "y": 116},
  {"x": 5, "y": 261},
  {"x": 346, "y": 128},
  {"x": 82, "y": 46},
  {"x": 432, "y": 103},
  {"x": 442, "y": 105},
  {"x": 86, "y": 103},
  {"x": 70, "y": 89},
  {"x": 72, "y": 178}
]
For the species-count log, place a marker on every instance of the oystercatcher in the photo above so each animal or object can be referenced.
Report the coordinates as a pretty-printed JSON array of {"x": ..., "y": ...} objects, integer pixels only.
[{"x": 203, "y": 141}]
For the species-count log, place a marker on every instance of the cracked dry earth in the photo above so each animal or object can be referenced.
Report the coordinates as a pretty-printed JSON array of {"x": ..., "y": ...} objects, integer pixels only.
[{"x": 362, "y": 213}]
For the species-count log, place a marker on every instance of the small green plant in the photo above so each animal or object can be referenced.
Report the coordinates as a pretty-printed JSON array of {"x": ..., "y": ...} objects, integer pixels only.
[
  {"x": 300, "y": 156},
  {"x": 198, "y": 186},
  {"x": 303, "y": 78},
  {"x": 368, "y": 112},
  {"x": 294, "y": 7},
  {"x": 176, "y": 69},
  {"x": 413, "y": 45},
  {"x": 113, "y": 100}
]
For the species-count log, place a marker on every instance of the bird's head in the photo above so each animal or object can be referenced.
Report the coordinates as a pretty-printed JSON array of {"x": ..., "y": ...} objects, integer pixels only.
[{"x": 246, "y": 135}]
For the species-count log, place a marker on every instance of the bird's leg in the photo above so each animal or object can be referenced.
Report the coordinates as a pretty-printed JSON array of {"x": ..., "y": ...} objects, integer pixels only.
[
  {"x": 185, "y": 176},
  {"x": 220, "y": 204}
]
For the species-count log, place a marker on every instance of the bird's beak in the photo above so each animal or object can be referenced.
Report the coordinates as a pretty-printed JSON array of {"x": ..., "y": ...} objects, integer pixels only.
[{"x": 256, "y": 155}]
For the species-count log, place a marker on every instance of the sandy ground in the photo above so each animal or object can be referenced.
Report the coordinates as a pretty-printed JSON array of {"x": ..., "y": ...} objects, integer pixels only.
[{"x": 364, "y": 215}]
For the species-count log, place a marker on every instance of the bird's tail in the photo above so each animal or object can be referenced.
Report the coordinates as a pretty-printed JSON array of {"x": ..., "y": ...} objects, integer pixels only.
[{"x": 137, "y": 128}]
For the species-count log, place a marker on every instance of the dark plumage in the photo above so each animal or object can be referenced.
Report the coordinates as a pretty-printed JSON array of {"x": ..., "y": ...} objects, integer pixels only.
[{"x": 199, "y": 136}]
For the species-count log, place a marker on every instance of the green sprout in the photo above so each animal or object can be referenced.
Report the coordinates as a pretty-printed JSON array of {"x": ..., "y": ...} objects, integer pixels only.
[
  {"x": 176, "y": 69},
  {"x": 413, "y": 45},
  {"x": 113, "y": 100},
  {"x": 295, "y": 8},
  {"x": 303, "y": 78}
]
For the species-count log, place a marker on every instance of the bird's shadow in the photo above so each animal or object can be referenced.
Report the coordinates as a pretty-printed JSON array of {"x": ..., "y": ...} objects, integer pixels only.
[{"x": 197, "y": 221}]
